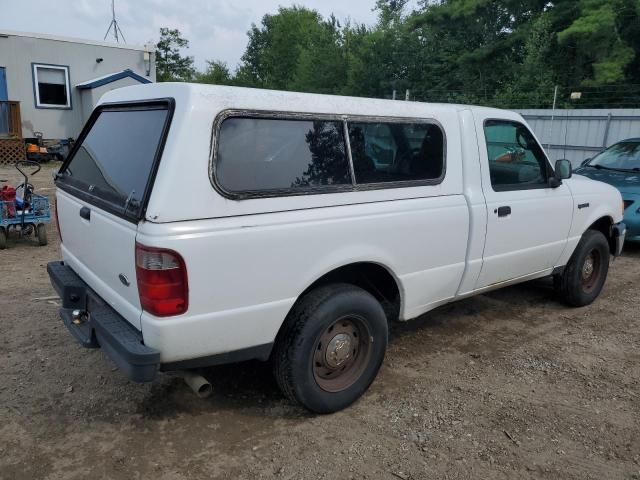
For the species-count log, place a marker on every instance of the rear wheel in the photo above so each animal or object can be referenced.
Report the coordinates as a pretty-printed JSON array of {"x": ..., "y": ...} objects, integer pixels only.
[
  {"x": 331, "y": 347},
  {"x": 3, "y": 238},
  {"x": 42, "y": 234},
  {"x": 585, "y": 274}
]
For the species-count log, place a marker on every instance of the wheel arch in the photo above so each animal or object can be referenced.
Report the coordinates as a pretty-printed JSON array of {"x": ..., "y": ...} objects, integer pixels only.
[
  {"x": 373, "y": 277},
  {"x": 603, "y": 225}
]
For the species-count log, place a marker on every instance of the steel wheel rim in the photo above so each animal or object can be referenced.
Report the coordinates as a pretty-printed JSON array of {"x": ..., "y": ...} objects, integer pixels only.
[
  {"x": 342, "y": 353},
  {"x": 590, "y": 272}
]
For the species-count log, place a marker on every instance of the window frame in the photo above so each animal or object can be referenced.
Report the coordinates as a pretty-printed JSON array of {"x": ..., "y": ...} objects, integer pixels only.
[
  {"x": 511, "y": 187},
  {"x": 323, "y": 189},
  {"x": 151, "y": 104},
  {"x": 36, "y": 91}
]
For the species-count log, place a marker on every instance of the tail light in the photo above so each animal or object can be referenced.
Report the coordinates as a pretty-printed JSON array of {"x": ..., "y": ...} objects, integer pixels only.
[{"x": 162, "y": 281}]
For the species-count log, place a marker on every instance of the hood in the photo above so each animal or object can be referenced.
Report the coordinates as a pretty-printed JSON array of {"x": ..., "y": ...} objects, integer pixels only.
[{"x": 628, "y": 182}]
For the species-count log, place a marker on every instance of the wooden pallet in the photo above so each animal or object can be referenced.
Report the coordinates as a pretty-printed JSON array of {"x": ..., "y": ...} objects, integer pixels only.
[{"x": 11, "y": 150}]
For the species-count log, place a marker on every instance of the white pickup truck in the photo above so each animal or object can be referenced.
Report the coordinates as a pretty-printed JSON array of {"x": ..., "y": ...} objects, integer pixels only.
[{"x": 202, "y": 225}]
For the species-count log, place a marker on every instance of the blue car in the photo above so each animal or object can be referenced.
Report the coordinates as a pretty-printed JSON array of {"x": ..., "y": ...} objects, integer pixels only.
[{"x": 619, "y": 166}]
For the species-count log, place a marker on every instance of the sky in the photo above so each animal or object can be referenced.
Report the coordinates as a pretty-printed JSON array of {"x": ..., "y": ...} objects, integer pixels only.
[{"x": 216, "y": 29}]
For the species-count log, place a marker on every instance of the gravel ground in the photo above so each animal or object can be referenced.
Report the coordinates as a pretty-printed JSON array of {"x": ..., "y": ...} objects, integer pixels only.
[{"x": 511, "y": 384}]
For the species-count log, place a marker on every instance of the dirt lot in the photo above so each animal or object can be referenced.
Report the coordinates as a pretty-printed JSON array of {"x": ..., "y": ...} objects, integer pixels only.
[{"x": 506, "y": 385}]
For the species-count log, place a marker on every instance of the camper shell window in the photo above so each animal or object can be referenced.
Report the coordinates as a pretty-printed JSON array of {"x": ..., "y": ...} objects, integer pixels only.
[
  {"x": 267, "y": 154},
  {"x": 114, "y": 163}
]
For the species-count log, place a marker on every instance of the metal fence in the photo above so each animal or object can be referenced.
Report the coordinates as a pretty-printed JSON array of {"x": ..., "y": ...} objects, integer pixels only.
[{"x": 580, "y": 134}]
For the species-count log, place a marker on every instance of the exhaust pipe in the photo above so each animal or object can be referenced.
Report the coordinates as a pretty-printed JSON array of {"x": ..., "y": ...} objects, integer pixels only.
[{"x": 200, "y": 385}]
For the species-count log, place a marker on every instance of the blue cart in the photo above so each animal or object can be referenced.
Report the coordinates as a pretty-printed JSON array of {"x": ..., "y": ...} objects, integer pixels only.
[{"x": 28, "y": 213}]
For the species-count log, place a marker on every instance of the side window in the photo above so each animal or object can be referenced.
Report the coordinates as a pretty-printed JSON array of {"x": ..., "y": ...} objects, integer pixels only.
[
  {"x": 516, "y": 161},
  {"x": 394, "y": 152},
  {"x": 265, "y": 154}
]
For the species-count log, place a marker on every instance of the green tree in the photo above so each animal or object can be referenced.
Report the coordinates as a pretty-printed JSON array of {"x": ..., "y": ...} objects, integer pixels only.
[
  {"x": 508, "y": 53},
  {"x": 364, "y": 75},
  {"x": 475, "y": 44},
  {"x": 321, "y": 65},
  {"x": 216, "y": 73},
  {"x": 384, "y": 58},
  {"x": 596, "y": 34},
  {"x": 171, "y": 65},
  {"x": 533, "y": 82},
  {"x": 281, "y": 52}
]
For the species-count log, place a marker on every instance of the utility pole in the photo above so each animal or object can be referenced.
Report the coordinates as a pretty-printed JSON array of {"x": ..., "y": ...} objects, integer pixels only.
[{"x": 553, "y": 112}]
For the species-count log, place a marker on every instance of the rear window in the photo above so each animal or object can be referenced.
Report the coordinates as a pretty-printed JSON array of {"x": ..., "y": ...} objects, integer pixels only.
[
  {"x": 114, "y": 161},
  {"x": 271, "y": 155}
]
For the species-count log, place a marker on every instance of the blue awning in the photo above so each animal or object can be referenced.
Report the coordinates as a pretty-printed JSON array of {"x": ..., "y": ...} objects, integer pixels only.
[{"x": 112, "y": 77}]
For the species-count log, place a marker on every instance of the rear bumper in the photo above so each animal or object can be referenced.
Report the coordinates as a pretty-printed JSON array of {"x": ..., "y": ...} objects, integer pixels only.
[
  {"x": 619, "y": 231},
  {"x": 95, "y": 324}
]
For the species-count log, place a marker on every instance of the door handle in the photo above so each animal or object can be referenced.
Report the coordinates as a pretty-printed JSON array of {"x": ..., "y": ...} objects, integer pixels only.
[
  {"x": 503, "y": 211},
  {"x": 85, "y": 212}
]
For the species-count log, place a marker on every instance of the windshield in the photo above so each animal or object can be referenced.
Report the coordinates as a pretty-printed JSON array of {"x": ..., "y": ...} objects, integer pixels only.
[
  {"x": 116, "y": 158},
  {"x": 621, "y": 156}
]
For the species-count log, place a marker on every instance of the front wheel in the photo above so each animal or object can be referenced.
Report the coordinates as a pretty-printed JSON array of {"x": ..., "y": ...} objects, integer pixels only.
[
  {"x": 331, "y": 347},
  {"x": 585, "y": 274},
  {"x": 3, "y": 238}
]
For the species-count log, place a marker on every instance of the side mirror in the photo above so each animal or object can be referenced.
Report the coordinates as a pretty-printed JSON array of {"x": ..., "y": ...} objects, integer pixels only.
[
  {"x": 585, "y": 161},
  {"x": 563, "y": 169}
]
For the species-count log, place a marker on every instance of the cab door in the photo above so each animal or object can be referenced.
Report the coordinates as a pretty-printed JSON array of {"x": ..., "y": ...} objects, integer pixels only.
[{"x": 528, "y": 220}]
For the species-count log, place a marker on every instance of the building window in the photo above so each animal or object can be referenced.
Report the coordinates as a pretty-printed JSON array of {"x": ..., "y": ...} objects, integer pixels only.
[{"x": 51, "y": 86}]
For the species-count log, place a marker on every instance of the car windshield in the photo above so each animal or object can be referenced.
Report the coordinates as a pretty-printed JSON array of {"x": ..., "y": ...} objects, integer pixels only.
[{"x": 621, "y": 156}]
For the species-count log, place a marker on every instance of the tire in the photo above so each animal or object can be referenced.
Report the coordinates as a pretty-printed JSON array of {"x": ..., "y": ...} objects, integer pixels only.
[
  {"x": 585, "y": 274},
  {"x": 331, "y": 347},
  {"x": 42, "y": 234},
  {"x": 3, "y": 238}
]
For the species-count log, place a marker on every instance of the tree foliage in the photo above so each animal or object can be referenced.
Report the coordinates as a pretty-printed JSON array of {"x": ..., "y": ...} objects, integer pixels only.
[
  {"x": 501, "y": 52},
  {"x": 216, "y": 73},
  {"x": 171, "y": 65},
  {"x": 595, "y": 35},
  {"x": 295, "y": 49}
]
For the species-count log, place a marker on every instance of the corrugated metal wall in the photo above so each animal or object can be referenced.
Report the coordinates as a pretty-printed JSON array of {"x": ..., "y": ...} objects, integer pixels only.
[{"x": 580, "y": 134}]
